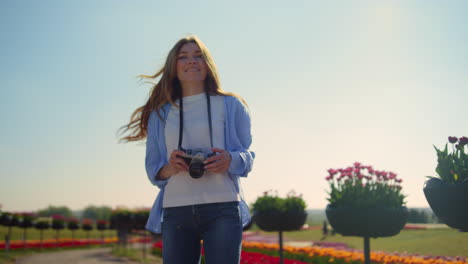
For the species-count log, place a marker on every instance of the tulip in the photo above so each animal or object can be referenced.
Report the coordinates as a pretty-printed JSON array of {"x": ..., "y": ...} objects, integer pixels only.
[
  {"x": 332, "y": 172},
  {"x": 463, "y": 141},
  {"x": 452, "y": 139}
]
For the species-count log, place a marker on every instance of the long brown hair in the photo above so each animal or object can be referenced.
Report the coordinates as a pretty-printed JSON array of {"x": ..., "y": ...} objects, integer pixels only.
[{"x": 167, "y": 89}]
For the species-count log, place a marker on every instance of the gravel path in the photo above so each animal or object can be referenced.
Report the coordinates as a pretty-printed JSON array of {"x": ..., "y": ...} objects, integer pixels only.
[{"x": 79, "y": 256}]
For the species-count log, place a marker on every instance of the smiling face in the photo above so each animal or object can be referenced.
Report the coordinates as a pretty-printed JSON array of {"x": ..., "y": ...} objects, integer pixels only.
[{"x": 191, "y": 67}]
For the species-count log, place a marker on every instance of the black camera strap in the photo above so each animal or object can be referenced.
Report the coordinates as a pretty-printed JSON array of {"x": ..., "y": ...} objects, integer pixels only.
[{"x": 181, "y": 120}]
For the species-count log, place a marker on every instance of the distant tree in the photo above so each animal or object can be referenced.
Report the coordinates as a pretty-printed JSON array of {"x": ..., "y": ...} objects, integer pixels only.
[
  {"x": 435, "y": 219},
  {"x": 55, "y": 210},
  {"x": 418, "y": 216},
  {"x": 97, "y": 212}
]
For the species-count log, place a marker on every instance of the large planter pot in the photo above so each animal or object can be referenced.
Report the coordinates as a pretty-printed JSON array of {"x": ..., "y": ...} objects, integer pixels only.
[
  {"x": 277, "y": 221},
  {"x": 449, "y": 202},
  {"x": 367, "y": 222}
]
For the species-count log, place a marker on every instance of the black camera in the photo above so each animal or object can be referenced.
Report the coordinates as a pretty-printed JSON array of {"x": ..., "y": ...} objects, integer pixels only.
[{"x": 194, "y": 159}]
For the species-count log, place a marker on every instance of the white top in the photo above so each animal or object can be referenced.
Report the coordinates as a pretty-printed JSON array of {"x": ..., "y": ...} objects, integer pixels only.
[{"x": 181, "y": 189}]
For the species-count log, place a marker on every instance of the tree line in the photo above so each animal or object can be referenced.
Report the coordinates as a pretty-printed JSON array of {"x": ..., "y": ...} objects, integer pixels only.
[
  {"x": 104, "y": 213},
  {"x": 90, "y": 212},
  {"x": 422, "y": 216}
]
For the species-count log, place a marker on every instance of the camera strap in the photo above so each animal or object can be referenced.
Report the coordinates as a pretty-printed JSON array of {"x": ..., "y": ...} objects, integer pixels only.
[{"x": 181, "y": 120}]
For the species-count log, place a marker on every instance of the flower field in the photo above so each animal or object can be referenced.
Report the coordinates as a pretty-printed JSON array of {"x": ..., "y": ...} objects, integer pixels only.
[
  {"x": 261, "y": 247},
  {"x": 257, "y": 252},
  {"x": 267, "y": 253},
  {"x": 321, "y": 255}
]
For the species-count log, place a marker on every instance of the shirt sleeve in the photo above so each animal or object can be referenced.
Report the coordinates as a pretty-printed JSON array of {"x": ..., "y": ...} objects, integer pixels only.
[
  {"x": 156, "y": 156},
  {"x": 240, "y": 131}
]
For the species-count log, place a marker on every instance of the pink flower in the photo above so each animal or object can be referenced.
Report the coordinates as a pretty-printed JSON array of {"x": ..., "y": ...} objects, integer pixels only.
[
  {"x": 58, "y": 217},
  {"x": 463, "y": 141},
  {"x": 357, "y": 164},
  {"x": 332, "y": 172}
]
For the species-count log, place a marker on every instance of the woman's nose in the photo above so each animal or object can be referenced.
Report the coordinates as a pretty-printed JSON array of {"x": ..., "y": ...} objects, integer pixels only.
[{"x": 191, "y": 60}]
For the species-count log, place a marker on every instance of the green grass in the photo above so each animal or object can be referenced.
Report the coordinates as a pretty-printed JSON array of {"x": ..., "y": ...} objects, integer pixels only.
[
  {"x": 34, "y": 234},
  {"x": 435, "y": 242}
]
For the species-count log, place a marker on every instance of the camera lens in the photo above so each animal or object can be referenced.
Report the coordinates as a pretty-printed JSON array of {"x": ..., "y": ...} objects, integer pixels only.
[{"x": 196, "y": 170}]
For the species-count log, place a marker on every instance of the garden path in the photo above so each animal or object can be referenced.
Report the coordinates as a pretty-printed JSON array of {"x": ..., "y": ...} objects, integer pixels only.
[{"x": 79, "y": 256}]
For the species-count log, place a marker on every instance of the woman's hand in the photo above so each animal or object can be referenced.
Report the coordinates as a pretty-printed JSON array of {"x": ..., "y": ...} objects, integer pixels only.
[
  {"x": 219, "y": 163},
  {"x": 174, "y": 166}
]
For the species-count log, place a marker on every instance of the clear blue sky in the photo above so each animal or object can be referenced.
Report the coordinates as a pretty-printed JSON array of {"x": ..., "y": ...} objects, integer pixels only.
[{"x": 328, "y": 83}]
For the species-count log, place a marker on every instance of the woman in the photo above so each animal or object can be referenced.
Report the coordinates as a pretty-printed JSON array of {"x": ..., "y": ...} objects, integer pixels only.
[{"x": 197, "y": 147}]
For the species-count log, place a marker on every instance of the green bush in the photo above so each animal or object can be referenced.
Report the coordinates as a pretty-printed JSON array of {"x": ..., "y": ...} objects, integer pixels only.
[{"x": 270, "y": 202}]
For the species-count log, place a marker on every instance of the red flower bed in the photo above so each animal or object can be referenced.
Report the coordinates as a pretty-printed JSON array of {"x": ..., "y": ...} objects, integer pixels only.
[
  {"x": 414, "y": 227},
  {"x": 52, "y": 243},
  {"x": 253, "y": 257},
  {"x": 250, "y": 257}
]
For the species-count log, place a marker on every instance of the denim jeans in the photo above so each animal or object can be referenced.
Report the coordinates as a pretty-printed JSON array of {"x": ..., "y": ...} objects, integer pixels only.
[{"x": 217, "y": 224}]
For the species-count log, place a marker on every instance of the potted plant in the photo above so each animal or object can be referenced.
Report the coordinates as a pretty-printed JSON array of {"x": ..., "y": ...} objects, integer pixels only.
[
  {"x": 101, "y": 225},
  {"x": 58, "y": 223},
  {"x": 365, "y": 202},
  {"x": 139, "y": 218},
  {"x": 122, "y": 221},
  {"x": 447, "y": 194},
  {"x": 87, "y": 225},
  {"x": 42, "y": 224},
  {"x": 27, "y": 221},
  {"x": 273, "y": 213},
  {"x": 10, "y": 220},
  {"x": 73, "y": 225}
]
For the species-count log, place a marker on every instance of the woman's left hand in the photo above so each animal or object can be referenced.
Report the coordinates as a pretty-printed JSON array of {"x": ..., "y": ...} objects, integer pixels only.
[{"x": 220, "y": 163}]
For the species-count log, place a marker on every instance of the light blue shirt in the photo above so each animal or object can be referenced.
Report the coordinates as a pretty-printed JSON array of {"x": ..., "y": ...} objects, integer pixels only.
[{"x": 237, "y": 140}]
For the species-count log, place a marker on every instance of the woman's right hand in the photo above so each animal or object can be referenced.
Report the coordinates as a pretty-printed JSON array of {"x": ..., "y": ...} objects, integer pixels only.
[{"x": 174, "y": 166}]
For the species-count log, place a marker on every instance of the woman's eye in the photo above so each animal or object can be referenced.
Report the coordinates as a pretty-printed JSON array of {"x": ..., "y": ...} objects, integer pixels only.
[{"x": 182, "y": 57}]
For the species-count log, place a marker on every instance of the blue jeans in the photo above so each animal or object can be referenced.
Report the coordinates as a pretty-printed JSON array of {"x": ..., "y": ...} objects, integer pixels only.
[{"x": 217, "y": 224}]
